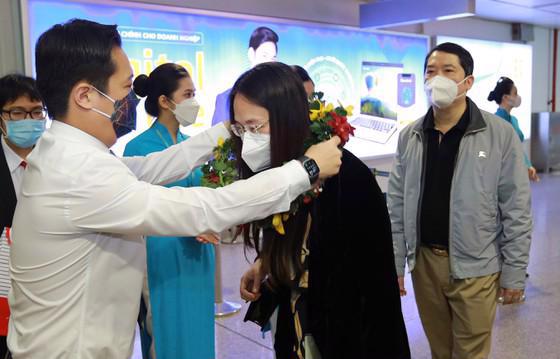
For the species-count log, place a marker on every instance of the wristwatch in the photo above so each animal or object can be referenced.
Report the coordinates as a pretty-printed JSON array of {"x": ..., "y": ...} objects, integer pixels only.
[{"x": 311, "y": 167}]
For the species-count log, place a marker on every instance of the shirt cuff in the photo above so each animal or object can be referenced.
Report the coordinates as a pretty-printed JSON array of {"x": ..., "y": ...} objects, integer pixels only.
[
  {"x": 512, "y": 278},
  {"x": 218, "y": 131},
  {"x": 298, "y": 177}
]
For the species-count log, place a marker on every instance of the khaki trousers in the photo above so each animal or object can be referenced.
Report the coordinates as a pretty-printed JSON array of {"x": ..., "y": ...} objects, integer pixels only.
[{"x": 457, "y": 314}]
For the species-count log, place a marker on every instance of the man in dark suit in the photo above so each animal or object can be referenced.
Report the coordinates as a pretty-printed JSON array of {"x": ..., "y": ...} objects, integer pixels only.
[
  {"x": 263, "y": 47},
  {"x": 22, "y": 121}
]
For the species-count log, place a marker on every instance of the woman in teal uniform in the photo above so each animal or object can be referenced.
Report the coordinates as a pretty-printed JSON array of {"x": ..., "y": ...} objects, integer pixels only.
[
  {"x": 180, "y": 271},
  {"x": 505, "y": 95}
]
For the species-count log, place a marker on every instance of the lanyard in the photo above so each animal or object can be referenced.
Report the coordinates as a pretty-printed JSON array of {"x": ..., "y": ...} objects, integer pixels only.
[
  {"x": 179, "y": 137},
  {"x": 167, "y": 145},
  {"x": 162, "y": 139}
]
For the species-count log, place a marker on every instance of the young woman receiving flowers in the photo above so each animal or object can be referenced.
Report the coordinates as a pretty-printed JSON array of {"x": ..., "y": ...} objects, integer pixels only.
[{"x": 328, "y": 262}]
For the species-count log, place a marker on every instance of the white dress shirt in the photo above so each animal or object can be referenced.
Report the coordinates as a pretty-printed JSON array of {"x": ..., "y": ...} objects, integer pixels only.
[{"x": 78, "y": 257}]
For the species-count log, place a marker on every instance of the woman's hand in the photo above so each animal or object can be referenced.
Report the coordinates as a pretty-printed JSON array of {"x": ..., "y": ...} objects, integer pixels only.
[
  {"x": 327, "y": 155},
  {"x": 250, "y": 288},
  {"x": 401, "y": 286},
  {"x": 208, "y": 238},
  {"x": 533, "y": 176}
]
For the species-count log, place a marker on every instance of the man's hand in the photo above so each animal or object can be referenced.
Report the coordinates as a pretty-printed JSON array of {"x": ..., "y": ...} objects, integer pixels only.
[
  {"x": 401, "y": 286},
  {"x": 511, "y": 296},
  {"x": 327, "y": 155},
  {"x": 250, "y": 288},
  {"x": 208, "y": 238},
  {"x": 533, "y": 176}
]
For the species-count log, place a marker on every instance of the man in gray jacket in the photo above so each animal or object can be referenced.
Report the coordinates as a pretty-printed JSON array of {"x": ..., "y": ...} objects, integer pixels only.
[{"x": 459, "y": 201}]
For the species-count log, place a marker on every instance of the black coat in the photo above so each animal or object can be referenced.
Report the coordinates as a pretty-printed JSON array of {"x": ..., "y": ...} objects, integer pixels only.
[
  {"x": 8, "y": 197},
  {"x": 353, "y": 299}
]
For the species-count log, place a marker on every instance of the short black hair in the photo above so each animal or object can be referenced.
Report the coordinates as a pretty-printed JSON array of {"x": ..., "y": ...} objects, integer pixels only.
[
  {"x": 78, "y": 50},
  {"x": 302, "y": 73},
  {"x": 465, "y": 58},
  {"x": 503, "y": 87},
  {"x": 261, "y": 35},
  {"x": 14, "y": 86},
  {"x": 164, "y": 80}
]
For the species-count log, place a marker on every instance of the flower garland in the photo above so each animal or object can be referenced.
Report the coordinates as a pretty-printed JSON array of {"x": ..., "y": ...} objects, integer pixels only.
[
  {"x": 326, "y": 121},
  {"x": 222, "y": 169}
]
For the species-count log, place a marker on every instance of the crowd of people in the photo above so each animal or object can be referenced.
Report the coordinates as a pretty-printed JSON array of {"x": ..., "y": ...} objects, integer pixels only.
[{"x": 93, "y": 243}]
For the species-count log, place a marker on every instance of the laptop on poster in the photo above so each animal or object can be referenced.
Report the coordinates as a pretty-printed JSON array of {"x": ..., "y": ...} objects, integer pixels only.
[{"x": 377, "y": 120}]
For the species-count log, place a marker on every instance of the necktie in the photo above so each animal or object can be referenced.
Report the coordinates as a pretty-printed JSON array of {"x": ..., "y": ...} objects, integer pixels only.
[{"x": 23, "y": 164}]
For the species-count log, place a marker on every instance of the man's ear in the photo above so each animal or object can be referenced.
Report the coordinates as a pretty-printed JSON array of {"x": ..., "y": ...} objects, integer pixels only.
[
  {"x": 82, "y": 95},
  {"x": 469, "y": 82}
]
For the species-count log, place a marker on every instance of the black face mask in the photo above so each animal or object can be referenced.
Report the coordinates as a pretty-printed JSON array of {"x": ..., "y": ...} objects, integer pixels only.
[{"x": 124, "y": 117}]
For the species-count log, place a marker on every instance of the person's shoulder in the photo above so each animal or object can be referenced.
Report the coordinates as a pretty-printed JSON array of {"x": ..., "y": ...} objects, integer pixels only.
[
  {"x": 350, "y": 160},
  {"x": 495, "y": 121},
  {"x": 224, "y": 95},
  {"x": 139, "y": 145},
  {"x": 353, "y": 171}
]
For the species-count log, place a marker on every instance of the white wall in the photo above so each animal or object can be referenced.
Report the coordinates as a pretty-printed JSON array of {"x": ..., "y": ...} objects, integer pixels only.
[{"x": 11, "y": 47}]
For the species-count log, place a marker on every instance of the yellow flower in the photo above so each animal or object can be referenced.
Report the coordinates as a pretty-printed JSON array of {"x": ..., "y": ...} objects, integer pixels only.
[
  {"x": 278, "y": 224},
  {"x": 316, "y": 114},
  {"x": 220, "y": 141},
  {"x": 349, "y": 110},
  {"x": 329, "y": 108}
]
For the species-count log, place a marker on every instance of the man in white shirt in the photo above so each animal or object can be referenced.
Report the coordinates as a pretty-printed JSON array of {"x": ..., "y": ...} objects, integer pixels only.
[
  {"x": 22, "y": 122},
  {"x": 78, "y": 257}
]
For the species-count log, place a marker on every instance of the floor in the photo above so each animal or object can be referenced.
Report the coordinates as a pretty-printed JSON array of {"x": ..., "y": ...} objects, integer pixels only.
[{"x": 528, "y": 330}]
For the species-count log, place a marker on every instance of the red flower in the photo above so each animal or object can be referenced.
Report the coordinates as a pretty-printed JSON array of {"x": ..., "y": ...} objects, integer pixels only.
[
  {"x": 213, "y": 177},
  {"x": 340, "y": 127}
]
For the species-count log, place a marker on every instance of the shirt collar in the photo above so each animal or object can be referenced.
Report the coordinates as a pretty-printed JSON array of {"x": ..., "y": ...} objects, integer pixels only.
[
  {"x": 462, "y": 125},
  {"x": 503, "y": 112},
  {"x": 70, "y": 133},
  {"x": 12, "y": 159},
  {"x": 165, "y": 132}
]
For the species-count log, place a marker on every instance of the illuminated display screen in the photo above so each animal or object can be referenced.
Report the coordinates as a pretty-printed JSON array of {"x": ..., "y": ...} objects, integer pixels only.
[{"x": 215, "y": 50}]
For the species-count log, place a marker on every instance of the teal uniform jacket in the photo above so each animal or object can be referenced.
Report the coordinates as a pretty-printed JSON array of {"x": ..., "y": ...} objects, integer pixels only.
[
  {"x": 180, "y": 275},
  {"x": 513, "y": 120}
]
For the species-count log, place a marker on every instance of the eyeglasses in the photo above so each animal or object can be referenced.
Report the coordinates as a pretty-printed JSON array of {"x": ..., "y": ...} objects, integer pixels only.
[
  {"x": 239, "y": 129},
  {"x": 16, "y": 114}
]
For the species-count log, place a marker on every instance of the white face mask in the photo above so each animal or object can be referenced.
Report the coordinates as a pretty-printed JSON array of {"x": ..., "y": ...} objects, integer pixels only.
[
  {"x": 186, "y": 111},
  {"x": 256, "y": 150},
  {"x": 515, "y": 101},
  {"x": 442, "y": 91}
]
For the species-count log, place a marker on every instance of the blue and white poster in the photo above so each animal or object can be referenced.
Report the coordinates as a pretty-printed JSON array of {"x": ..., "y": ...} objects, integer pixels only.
[{"x": 349, "y": 65}]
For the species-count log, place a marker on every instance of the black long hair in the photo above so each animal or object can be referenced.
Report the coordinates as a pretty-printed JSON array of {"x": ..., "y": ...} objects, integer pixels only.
[
  {"x": 164, "y": 80},
  {"x": 277, "y": 88},
  {"x": 503, "y": 87}
]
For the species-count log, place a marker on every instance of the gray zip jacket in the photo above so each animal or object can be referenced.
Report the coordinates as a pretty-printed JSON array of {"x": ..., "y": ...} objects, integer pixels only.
[{"x": 490, "y": 201}]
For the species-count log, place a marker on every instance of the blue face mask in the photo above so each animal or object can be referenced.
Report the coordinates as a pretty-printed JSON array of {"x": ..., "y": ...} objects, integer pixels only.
[{"x": 24, "y": 133}]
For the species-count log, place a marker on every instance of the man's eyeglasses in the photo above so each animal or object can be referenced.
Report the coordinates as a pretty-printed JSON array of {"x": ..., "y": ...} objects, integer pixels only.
[
  {"x": 16, "y": 114},
  {"x": 239, "y": 129}
]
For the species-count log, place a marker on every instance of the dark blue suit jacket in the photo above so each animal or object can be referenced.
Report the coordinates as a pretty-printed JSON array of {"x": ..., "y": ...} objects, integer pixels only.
[{"x": 221, "y": 111}]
